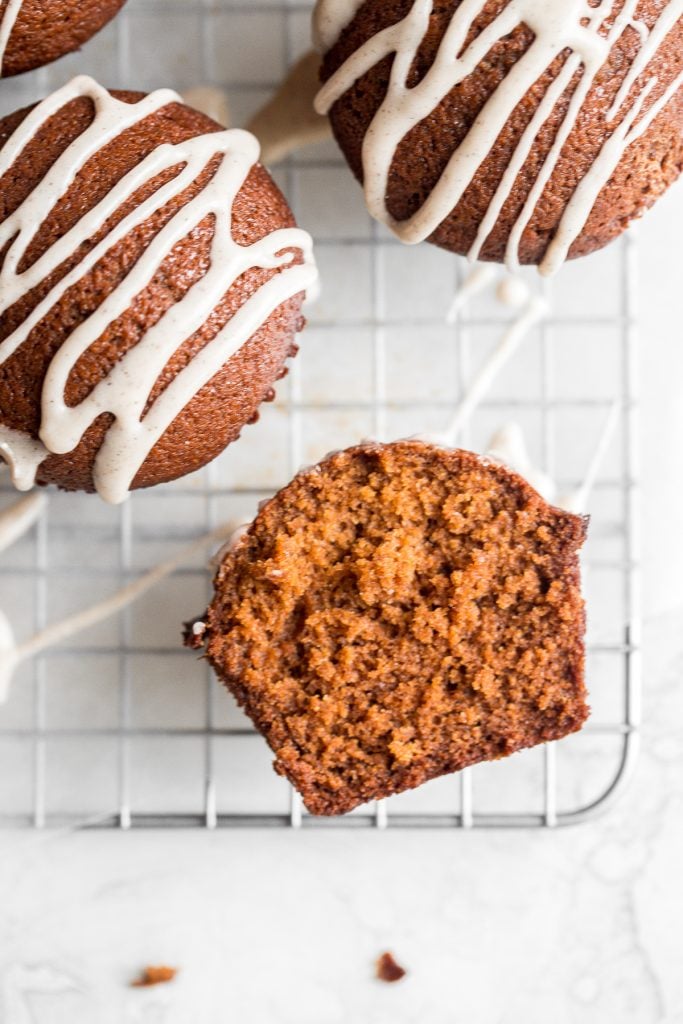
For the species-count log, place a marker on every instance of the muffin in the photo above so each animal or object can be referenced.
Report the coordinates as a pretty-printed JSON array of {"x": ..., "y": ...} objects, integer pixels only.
[
  {"x": 36, "y": 32},
  {"x": 506, "y": 130},
  {"x": 149, "y": 315},
  {"x": 398, "y": 612}
]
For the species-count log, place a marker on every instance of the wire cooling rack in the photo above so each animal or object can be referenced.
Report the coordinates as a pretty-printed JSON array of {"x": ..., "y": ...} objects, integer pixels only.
[{"x": 122, "y": 727}]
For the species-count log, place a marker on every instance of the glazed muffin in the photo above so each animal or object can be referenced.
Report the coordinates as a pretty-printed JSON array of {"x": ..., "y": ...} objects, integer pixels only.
[
  {"x": 36, "y": 32},
  {"x": 528, "y": 132},
  {"x": 396, "y": 613},
  {"x": 152, "y": 286}
]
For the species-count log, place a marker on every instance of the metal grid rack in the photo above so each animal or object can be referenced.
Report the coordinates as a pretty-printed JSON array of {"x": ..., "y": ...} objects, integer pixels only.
[{"x": 122, "y": 728}]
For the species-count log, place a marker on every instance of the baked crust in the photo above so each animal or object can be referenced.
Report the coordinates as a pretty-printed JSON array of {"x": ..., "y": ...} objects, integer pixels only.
[
  {"x": 48, "y": 29},
  {"x": 649, "y": 166},
  {"x": 218, "y": 413}
]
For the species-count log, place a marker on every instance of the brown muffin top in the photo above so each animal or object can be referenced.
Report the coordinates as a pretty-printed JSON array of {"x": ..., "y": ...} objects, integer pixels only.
[
  {"x": 399, "y": 612},
  {"x": 618, "y": 178},
  {"x": 36, "y": 32},
  {"x": 215, "y": 412}
]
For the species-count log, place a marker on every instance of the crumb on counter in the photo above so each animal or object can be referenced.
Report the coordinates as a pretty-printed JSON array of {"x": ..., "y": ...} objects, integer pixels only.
[
  {"x": 388, "y": 970},
  {"x": 154, "y": 976}
]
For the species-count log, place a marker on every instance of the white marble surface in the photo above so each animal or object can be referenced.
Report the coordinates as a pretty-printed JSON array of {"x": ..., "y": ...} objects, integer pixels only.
[{"x": 573, "y": 927}]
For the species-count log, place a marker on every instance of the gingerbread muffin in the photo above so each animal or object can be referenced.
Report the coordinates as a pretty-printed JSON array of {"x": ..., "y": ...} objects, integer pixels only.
[
  {"x": 506, "y": 130},
  {"x": 36, "y": 32},
  {"x": 398, "y": 612},
  {"x": 152, "y": 281}
]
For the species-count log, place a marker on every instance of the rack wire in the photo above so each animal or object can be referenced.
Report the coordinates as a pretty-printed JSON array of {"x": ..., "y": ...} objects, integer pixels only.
[{"x": 122, "y": 727}]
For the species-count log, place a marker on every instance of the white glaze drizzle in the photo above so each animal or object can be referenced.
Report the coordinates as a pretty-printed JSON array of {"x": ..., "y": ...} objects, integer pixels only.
[
  {"x": 512, "y": 338},
  {"x": 509, "y": 447},
  {"x": 238, "y": 532},
  {"x": 577, "y": 501},
  {"x": 23, "y": 455},
  {"x": 18, "y": 519},
  {"x": 15, "y": 521},
  {"x": 7, "y": 23},
  {"x": 513, "y": 292},
  {"x": 556, "y": 27},
  {"x": 11, "y": 655},
  {"x": 131, "y": 438},
  {"x": 8, "y": 662},
  {"x": 330, "y": 20},
  {"x": 477, "y": 281}
]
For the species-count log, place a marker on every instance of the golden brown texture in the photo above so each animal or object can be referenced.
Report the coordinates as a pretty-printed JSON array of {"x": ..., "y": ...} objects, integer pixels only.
[
  {"x": 647, "y": 169},
  {"x": 48, "y": 29},
  {"x": 397, "y": 613},
  {"x": 217, "y": 414}
]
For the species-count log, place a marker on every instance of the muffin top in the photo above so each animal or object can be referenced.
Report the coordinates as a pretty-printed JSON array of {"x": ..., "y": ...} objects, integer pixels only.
[
  {"x": 36, "y": 32},
  {"x": 523, "y": 131},
  {"x": 146, "y": 275}
]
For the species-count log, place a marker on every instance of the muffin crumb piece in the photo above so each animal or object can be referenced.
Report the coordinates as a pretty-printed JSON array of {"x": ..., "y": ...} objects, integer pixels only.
[
  {"x": 155, "y": 976},
  {"x": 388, "y": 970}
]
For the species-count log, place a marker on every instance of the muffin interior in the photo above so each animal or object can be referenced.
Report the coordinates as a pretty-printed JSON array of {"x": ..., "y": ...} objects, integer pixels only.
[{"x": 398, "y": 613}]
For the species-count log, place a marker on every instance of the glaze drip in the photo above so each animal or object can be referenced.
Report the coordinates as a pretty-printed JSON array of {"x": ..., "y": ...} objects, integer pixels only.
[
  {"x": 330, "y": 20},
  {"x": 509, "y": 446},
  {"x": 571, "y": 25},
  {"x": 18, "y": 519},
  {"x": 133, "y": 434},
  {"x": 13, "y": 654},
  {"x": 23, "y": 455}
]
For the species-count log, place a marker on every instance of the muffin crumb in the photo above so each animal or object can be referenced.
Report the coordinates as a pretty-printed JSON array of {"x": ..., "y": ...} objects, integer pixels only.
[
  {"x": 388, "y": 970},
  {"x": 155, "y": 976}
]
